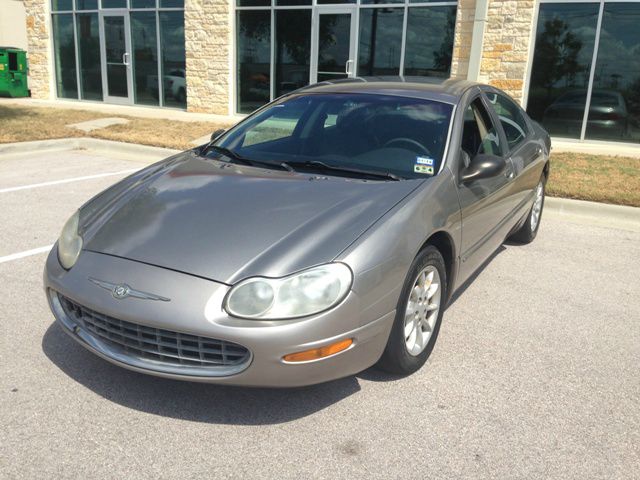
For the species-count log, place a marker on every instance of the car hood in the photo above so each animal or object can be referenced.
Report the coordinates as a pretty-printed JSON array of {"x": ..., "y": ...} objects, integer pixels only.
[{"x": 226, "y": 222}]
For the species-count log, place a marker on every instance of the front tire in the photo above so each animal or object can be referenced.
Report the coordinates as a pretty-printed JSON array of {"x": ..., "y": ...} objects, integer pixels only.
[
  {"x": 418, "y": 315},
  {"x": 529, "y": 229}
]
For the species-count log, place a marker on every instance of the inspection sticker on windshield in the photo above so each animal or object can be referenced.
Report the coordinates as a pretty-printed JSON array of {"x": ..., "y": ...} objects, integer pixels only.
[
  {"x": 424, "y": 161},
  {"x": 423, "y": 169}
]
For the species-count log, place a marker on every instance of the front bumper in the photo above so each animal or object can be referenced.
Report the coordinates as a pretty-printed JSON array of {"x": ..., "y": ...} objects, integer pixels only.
[{"x": 195, "y": 308}]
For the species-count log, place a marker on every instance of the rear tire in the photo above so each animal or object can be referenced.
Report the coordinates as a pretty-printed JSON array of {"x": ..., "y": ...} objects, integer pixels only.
[
  {"x": 418, "y": 315},
  {"x": 529, "y": 229}
]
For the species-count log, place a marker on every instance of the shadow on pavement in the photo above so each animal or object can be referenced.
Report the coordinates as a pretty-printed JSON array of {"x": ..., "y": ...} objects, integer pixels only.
[
  {"x": 195, "y": 402},
  {"x": 476, "y": 274}
]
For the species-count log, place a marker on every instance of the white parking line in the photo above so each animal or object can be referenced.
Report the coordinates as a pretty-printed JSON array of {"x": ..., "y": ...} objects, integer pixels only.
[
  {"x": 67, "y": 180},
  {"x": 26, "y": 253}
]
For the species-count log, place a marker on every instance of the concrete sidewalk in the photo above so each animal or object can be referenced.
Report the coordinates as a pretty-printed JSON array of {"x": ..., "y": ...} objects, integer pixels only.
[
  {"x": 559, "y": 145},
  {"x": 126, "y": 110}
]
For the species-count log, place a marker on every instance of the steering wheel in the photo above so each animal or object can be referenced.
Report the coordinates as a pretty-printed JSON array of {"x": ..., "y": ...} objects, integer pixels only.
[{"x": 408, "y": 141}]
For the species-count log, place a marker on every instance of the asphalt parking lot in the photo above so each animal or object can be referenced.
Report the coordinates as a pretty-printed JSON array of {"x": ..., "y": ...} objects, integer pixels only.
[{"x": 535, "y": 373}]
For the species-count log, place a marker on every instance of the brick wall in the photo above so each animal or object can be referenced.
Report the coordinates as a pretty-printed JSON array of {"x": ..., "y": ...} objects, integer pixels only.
[
  {"x": 506, "y": 45},
  {"x": 38, "y": 51},
  {"x": 207, "y": 38}
]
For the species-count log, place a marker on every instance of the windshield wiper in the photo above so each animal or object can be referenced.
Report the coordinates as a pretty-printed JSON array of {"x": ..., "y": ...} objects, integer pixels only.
[
  {"x": 236, "y": 157},
  {"x": 227, "y": 152},
  {"x": 317, "y": 164}
]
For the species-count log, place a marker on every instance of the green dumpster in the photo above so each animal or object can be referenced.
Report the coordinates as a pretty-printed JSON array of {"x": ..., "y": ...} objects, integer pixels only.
[{"x": 13, "y": 72}]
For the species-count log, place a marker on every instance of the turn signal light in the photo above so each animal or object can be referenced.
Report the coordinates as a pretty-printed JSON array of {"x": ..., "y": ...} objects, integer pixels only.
[{"x": 317, "y": 353}]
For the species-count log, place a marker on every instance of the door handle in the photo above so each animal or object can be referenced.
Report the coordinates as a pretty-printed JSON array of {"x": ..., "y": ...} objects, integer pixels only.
[
  {"x": 125, "y": 57},
  {"x": 347, "y": 70}
]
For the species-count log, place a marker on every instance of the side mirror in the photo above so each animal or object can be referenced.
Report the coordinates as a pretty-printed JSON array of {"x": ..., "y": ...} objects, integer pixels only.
[
  {"x": 483, "y": 166},
  {"x": 218, "y": 133}
]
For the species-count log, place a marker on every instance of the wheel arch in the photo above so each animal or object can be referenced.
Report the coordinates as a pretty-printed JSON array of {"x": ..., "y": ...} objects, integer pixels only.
[{"x": 445, "y": 245}]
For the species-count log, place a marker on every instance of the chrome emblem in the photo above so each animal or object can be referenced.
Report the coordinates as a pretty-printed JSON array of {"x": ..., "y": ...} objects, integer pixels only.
[{"x": 122, "y": 290}]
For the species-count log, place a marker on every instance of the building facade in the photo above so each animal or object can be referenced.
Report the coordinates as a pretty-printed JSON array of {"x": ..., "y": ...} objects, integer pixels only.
[{"x": 575, "y": 65}]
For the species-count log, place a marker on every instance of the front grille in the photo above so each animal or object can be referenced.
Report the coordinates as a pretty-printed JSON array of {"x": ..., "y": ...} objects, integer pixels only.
[{"x": 155, "y": 344}]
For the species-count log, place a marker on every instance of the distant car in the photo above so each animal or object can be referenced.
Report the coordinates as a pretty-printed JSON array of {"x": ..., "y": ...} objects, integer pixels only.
[
  {"x": 174, "y": 85},
  {"x": 321, "y": 235},
  {"x": 608, "y": 115}
]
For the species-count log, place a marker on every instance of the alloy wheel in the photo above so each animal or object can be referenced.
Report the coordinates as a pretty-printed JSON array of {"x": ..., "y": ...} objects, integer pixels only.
[
  {"x": 422, "y": 310},
  {"x": 537, "y": 207}
]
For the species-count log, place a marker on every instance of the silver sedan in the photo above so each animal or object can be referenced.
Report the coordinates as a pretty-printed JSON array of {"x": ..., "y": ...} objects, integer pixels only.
[{"x": 323, "y": 234}]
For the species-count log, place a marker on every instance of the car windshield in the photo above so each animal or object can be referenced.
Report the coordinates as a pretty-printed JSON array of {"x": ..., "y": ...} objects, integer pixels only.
[{"x": 404, "y": 137}]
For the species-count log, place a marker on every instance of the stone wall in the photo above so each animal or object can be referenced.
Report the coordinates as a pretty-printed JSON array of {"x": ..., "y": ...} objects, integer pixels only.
[
  {"x": 207, "y": 39},
  {"x": 462, "y": 39},
  {"x": 506, "y": 45},
  {"x": 38, "y": 51}
]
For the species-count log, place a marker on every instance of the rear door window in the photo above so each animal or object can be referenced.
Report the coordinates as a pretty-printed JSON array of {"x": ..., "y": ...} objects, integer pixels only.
[{"x": 511, "y": 117}]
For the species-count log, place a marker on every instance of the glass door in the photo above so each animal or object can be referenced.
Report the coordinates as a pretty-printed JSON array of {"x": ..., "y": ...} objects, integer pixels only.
[
  {"x": 116, "y": 57},
  {"x": 333, "y": 43}
]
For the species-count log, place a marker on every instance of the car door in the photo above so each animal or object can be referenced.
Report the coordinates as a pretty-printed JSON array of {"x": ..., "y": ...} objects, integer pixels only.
[
  {"x": 524, "y": 150},
  {"x": 485, "y": 204}
]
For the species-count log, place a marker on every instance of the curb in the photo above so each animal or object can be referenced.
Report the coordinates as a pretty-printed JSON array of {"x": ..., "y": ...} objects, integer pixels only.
[
  {"x": 128, "y": 151},
  {"x": 594, "y": 213}
]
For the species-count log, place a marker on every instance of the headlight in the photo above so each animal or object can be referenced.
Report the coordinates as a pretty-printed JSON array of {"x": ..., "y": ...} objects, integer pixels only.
[
  {"x": 298, "y": 295},
  {"x": 69, "y": 243}
]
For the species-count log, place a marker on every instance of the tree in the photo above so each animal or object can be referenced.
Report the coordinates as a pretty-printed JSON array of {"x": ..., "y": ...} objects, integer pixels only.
[{"x": 556, "y": 58}]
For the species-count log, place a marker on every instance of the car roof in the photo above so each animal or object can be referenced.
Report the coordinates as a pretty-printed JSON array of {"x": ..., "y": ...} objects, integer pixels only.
[{"x": 448, "y": 90}]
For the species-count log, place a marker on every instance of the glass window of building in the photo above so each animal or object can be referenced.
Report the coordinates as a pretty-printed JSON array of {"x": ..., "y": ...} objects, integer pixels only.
[
  {"x": 614, "y": 111},
  {"x": 429, "y": 44},
  {"x": 282, "y": 45},
  {"x": 380, "y": 43},
  {"x": 585, "y": 76},
  {"x": 105, "y": 51},
  {"x": 64, "y": 56}
]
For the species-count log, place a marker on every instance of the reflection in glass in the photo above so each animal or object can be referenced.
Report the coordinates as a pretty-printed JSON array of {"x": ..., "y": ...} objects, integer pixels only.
[
  {"x": 142, "y": 3},
  {"x": 380, "y": 41},
  {"x": 115, "y": 47},
  {"x": 614, "y": 113},
  {"x": 253, "y": 3},
  {"x": 144, "y": 58},
  {"x": 293, "y": 48},
  {"x": 254, "y": 57},
  {"x": 429, "y": 41},
  {"x": 561, "y": 66},
  {"x": 86, "y": 4},
  {"x": 89, "y": 56},
  {"x": 370, "y": 2},
  {"x": 333, "y": 45},
  {"x": 114, "y": 3},
  {"x": 173, "y": 58},
  {"x": 64, "y": 55},
  {"x": 59, "y": 5},
  {"x": 172, "y": 3},
  {"x": 284, "y": 3}
]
